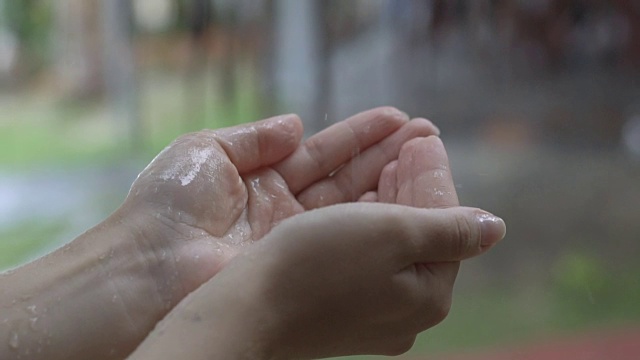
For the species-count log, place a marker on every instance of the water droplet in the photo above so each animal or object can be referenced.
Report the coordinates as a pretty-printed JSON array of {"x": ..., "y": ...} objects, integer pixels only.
[
  {"x": 31, "y": 309},
  {"x": 14, "y": 340},
  {"x": 32, "y": 323}
]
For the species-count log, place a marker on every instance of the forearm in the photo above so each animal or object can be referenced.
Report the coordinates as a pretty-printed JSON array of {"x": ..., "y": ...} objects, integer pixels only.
[
  {"x": 223, "y": 319},
  {"x": 76, "y": 303}
]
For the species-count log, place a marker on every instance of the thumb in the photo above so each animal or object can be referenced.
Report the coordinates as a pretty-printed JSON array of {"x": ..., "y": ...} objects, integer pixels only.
[
  {"x": 263, "y": 143},
  {"x": 412, "y": 235},
  {"x": 454, "y": 234}
]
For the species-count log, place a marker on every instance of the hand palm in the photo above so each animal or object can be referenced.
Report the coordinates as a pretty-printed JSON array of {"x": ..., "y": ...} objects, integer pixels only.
[{"x": 215, "y": 191}]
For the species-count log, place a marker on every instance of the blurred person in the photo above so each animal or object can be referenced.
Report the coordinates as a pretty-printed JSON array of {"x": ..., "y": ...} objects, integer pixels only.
[{"x": 263, "y": 246}]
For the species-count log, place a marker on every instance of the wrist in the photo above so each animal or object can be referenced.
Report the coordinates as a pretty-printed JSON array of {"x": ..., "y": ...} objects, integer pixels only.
[
  {"x": 225, "y": 318},
  {"x": 91, "y": 298}
]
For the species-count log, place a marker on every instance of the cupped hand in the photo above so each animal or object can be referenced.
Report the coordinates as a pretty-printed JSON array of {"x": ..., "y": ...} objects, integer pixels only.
[
  {"x": 400, "y": 304},
  {"x": 210, "y": 193},
  {"x": 340, "y": 280},
  {"x": 335, "y": 281},
  {"x": 411, "y": 298}
]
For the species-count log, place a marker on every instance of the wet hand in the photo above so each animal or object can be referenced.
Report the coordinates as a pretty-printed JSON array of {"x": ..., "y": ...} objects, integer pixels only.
[
  {"x": 210, "y": 193},
  {"x": 335, "y": 281}
]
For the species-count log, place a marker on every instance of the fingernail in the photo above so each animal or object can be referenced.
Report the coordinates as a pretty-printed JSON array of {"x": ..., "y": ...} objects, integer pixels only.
[
  {"x": 493, "y": 229},
  {"x": 437, "y": 130},
  {"x": 434, "y": 128}
]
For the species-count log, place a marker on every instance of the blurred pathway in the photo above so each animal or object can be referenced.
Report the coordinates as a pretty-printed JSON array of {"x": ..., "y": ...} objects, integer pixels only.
[{"x": 79, "y": 196}]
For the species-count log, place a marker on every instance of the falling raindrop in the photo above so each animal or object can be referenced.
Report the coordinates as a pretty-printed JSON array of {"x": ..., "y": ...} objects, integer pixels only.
[
  {"x": 31, "y": 309},
  {"x": 32, "y": 323},
  {"x": 14, "y": 340}
]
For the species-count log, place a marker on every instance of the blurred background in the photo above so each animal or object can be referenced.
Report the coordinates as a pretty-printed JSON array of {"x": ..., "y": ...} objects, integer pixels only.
[{"x": 538, "y": 102}]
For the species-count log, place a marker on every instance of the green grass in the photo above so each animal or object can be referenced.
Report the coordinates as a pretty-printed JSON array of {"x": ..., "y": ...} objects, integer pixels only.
[
  {"x": 24, "y": 241},
  {"x": 33, "y": 131},
  {"x": 170, "y": 107},
  {"x": 37, "y": 129}
]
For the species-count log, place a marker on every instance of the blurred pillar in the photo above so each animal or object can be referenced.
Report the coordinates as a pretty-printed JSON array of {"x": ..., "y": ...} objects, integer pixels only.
[
  {"x": 297, "y": 59},
  {"x": 324, "y": 42},
  {"x": 200, "y": 16},
  {"x": 76, "y": 34},
  {"x": 119, "y": 68}
]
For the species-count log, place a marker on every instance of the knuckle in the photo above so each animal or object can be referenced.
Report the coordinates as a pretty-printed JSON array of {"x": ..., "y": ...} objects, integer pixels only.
[
  {"x": 314, "y": 149},
  {"x": 391, "y": 112},
  {"x": 193, "y": 139},
  {"x": 464, "y": 233}
]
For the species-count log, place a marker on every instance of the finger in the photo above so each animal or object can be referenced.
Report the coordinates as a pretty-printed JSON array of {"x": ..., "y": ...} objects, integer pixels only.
[
  {"x": 324, "y": 152},
  {"x": 424, "y": 176},
  {"x": 387, "y": 186},
  {"x": 406, "y": 234},
  {"x": 362, "y": 173},
  {"x": 425, "y": 181},
  {"x": 454, "y": 234},
  {"x": 369, "y": 196},
  {"x": 263, "y": 143},
  {"x": 269, "y": 201}
]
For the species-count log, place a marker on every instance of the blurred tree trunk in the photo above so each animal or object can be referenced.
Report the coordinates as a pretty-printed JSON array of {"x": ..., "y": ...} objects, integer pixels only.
[
  {"x": 199, "y": 17},
  {"x": 119, "y": 68},
  {"x": 631, "y": 11},
  {"x": 76, "y": 34},
  {"x": 324, "y": 41},
  {"x": 267, "y": 61},
  {"x": 297, "y": 59},
  {"x": 228, "y": 23}
]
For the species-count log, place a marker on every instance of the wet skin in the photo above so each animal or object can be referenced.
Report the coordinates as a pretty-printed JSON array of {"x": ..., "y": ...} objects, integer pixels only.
[
  {"x": 359, "y": 278},
  {"x": 214, "y": 192}
]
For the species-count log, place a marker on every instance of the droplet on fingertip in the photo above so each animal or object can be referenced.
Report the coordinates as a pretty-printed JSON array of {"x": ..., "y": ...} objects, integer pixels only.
[{"x": 493, "y": 229}]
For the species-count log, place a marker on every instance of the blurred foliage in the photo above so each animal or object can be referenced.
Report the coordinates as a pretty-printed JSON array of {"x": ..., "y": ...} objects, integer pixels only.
[
  {"x": 35, "y": 132},
  {"x": 24, "y": 241},
  {"x": 585, "y": 291},
  {"x": 580, "y": 275},
  {"x": 31, "y": 22}
]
